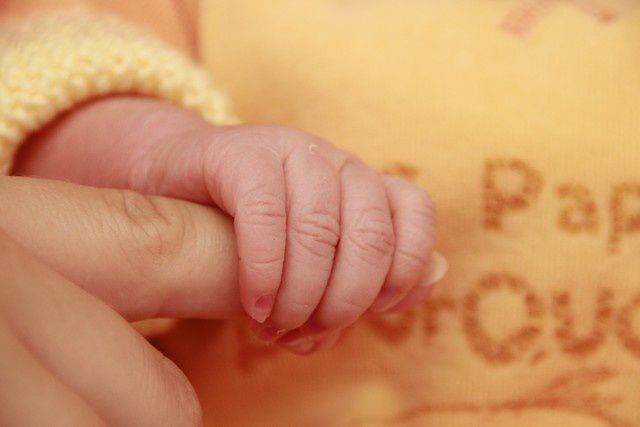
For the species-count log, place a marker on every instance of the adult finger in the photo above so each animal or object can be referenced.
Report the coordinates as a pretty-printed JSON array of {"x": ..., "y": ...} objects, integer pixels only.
[
  {"x": 31, "y": 395},
  {"x": 145, "y": 256},
  {"x": 89, "y": 347}
]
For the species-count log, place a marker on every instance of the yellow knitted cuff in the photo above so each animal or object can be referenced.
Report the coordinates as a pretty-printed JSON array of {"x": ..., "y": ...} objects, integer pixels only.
[{"x": 50, "y": 63}]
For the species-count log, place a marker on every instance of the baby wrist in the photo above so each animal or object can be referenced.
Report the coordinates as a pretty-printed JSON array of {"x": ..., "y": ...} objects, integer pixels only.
[{"x": 52, "y": 63}]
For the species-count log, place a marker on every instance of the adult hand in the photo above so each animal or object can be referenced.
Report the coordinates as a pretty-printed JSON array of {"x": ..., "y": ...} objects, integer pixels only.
[{"x": 69, "y": 358}]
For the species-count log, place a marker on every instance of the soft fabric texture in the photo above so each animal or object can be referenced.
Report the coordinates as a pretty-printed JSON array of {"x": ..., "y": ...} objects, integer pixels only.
[
  {"x": 53, "y": 62},
  {"x": 521, "y": 119}
]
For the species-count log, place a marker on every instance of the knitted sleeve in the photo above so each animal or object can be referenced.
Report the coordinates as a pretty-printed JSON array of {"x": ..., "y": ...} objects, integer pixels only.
[{"x": 50, "y": 63}]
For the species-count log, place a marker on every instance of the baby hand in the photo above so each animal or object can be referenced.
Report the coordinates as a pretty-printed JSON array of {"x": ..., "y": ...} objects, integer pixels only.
[{"x": 322, "y": 238}]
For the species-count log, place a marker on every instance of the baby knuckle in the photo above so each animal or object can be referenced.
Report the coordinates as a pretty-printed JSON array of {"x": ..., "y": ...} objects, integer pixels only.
[
  {"x": 406, "y": 269},
  {"x": 265, "y": 267},
  {"x": 262, "y": 208},
  {"x": 373, "y": 235},
  {"x": 425, "y": 207},
  {"x": 419, "y": 217},
  {"x": 317, "y": 232},
  {"x": 293, "y": 137},
  {"x": 153, "y": 229},
  {"x": 261, "y": 136},
  {"x": 245, "y": 135},
  {"x": 411, "y": 258}
]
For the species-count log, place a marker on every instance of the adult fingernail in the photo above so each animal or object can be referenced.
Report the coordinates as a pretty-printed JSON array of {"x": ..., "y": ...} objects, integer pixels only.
[
  {"x": 386, "y": 298},
  {"x": 269, "y": 333},
  {"x": 436, "y": 270},
  {"x": 262, "y": 308}
]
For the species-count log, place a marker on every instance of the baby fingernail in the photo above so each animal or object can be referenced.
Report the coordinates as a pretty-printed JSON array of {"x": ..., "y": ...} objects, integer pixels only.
[
  {"x": 385, "y": 299},
  {"x": 438, "y": 267},
  {"x": 262, "y": 308},
  {"x": 270, "y": 333},
  {"x": 303, "y": 346}
]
